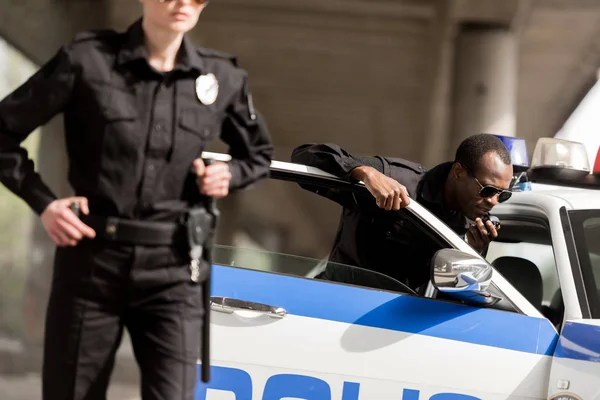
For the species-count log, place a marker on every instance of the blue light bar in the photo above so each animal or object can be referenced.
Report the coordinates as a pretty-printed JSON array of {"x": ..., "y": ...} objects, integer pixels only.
[{"x": 517, "y": 148}]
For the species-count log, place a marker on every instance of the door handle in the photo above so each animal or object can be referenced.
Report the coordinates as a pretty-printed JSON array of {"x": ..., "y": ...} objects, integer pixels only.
[{"x": 229, "y": 305}]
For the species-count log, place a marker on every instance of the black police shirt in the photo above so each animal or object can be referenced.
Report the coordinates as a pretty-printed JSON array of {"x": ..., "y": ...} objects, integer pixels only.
[{"x": 132, "y": 132}]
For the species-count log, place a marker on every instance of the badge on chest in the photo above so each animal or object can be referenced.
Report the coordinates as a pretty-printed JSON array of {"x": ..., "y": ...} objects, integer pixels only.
[{"x": 207, "y": 88}]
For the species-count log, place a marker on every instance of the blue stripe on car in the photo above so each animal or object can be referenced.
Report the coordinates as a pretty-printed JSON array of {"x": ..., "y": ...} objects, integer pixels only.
[
  {"x": 378, "y": 309},
  {"x": 580, "y": 342}
]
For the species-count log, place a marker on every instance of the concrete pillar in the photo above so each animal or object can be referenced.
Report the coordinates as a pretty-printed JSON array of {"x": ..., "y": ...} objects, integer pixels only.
[
  {"x": 485, "y": 83},
  {"x": 441, "y": 66}
]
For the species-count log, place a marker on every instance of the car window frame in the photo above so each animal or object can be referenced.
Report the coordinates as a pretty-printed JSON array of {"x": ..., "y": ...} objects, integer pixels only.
[{"x": 536, "y": 218}]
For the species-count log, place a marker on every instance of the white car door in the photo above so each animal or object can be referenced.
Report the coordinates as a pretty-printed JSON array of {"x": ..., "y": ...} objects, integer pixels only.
[
  {"x": 277, "y": 334},
  {"x": 575, "y": 370}
]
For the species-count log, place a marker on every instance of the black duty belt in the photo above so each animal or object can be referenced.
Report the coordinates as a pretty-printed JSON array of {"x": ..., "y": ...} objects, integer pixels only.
[{"x": 135, "y": 232}]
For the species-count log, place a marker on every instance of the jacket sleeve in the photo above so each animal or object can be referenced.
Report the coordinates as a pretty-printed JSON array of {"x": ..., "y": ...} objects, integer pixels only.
[
  {"x": 333, "y": 159},
  {"x": 247, "y": 134},
  {"x": 30, "y": 106}
]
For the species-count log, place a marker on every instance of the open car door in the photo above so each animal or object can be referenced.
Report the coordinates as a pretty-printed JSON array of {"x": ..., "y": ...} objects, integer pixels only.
[{"x": 278, "y": 334}]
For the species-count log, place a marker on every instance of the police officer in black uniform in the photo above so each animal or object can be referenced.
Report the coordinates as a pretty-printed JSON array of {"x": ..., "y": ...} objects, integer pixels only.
[
  {"x": 461, "y": 193},
  {"x": 139, "y": 107}
]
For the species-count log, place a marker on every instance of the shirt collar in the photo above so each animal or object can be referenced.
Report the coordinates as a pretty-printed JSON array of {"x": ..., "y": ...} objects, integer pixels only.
[
  {"x": 434, "y": 182},
  {"x": 188, "y": 57},
  {"x": 432, "y": 192},
  {"x": 133, "y": 49}
]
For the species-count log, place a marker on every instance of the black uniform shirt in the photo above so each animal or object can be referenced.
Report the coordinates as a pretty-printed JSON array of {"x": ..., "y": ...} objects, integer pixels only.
[
  {"x": 131, "y": 132},
  {"x": 370, "y": 237}
]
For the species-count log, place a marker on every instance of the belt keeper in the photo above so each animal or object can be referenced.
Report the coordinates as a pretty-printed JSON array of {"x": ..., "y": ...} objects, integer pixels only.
[{"x": 111, "y": 228}]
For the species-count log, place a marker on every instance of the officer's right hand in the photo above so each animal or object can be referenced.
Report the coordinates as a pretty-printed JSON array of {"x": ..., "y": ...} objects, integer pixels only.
[
  {"x": 388, "y": 193},
  {"x": 62, "y": 225}
]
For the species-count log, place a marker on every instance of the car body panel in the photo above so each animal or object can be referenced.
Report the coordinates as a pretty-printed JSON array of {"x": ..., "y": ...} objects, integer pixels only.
[
  {"x": 384, "y": 342},
  {"x": 576, "y": 364}
]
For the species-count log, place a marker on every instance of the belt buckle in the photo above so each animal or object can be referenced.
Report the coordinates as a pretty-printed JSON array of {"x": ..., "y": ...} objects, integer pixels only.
[{"x": 111, "y": 227}]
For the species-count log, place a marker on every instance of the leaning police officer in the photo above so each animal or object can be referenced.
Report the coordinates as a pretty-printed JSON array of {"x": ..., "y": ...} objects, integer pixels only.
[
  {"x": 372, "y": 235},
  {"x": 139, "y": 107}
]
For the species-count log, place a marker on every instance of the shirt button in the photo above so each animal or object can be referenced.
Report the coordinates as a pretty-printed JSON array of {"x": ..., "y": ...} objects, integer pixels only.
[
  {"x": 151, "y": 167},
  {"x": 158, "y": 127}
]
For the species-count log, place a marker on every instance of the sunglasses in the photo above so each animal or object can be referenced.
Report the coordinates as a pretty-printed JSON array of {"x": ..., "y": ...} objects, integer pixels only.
[
  {"x": 488, "y": 191},
  {"x": 199, "y": 2}
]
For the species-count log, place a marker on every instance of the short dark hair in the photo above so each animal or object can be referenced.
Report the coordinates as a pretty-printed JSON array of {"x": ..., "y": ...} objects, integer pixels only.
[{"x": 473, "y": 148}]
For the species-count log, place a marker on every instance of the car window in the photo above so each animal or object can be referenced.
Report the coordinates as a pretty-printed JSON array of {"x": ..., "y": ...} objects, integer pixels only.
[
  {"x": 291, "y": 231},
  {"x": 586, "y": 231},
  {"x": 289, "y": 264},
  {"x": 591, "y": 228},
  {"x": 523, "y": 253}
]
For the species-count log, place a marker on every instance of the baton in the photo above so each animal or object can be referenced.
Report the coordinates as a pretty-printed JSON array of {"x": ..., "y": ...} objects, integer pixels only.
[{"x": 211, "y": 207}]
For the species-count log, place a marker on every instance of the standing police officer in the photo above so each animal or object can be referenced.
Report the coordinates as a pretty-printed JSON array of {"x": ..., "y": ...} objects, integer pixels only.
[{"x": 139, "y": 107}]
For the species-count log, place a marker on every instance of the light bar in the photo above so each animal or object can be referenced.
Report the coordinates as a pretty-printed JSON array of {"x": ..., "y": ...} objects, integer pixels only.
[
  {"x": 559, "y": 159},
  {"x": 517, "y": 148},
  {"x": 597, "y": 163}
]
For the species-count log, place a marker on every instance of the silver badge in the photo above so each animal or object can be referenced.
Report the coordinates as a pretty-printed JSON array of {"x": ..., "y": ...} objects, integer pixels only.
[{"x": 207, "y": 88}]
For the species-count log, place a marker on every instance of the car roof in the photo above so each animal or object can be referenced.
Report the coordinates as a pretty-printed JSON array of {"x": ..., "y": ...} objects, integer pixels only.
[{"x": 578, "y": 198}]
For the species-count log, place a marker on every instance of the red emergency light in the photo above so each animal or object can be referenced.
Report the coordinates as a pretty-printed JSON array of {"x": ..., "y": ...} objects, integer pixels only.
[{"x": 596, "y": 169}]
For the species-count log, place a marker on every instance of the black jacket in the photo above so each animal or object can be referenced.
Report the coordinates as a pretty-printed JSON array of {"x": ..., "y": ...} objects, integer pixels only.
[
  {"x": 370, "y": 237},
  {"x": 132, "y": 132}
]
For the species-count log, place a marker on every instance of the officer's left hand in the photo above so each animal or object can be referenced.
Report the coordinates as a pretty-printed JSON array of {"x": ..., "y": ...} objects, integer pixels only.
[
  {"x": 213, "y": 180},
  {"x": 480, "y": 235}
]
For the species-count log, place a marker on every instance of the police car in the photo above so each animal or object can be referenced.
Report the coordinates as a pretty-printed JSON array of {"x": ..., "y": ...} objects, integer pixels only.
[{"x": 523, "y": 323}]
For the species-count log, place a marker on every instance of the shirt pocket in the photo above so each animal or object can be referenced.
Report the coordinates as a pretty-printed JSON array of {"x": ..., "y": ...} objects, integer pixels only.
[
  {"x": 406, "y": 164},
  {"x": 118, "y": 105},
  {"x": 406, "y": 172},
  {"x": 200, "y": 123},
  {"x": 118, "y": 127},
  {"x": 115, "y": 102}
]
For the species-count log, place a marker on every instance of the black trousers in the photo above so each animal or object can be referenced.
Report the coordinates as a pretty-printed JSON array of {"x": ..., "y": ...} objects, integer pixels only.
[{"x": 98, "y": 289}]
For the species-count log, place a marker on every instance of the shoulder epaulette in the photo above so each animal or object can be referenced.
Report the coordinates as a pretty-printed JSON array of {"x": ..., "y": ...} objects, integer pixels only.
[
  {"x": 205, "y": 52},
  {"x": 93, "y": 34}
]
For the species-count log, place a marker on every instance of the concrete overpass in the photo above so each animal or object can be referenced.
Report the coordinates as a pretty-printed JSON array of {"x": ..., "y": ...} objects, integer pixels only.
[{"x": 409, "y": 78}]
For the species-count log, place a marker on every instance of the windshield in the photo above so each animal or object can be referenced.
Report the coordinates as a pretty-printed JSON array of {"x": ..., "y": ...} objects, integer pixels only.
[{"x": 586, "y": 231}]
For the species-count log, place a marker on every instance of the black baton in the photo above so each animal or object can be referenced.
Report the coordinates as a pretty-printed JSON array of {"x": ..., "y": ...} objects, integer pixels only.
[{"x": 211, "y": 208}]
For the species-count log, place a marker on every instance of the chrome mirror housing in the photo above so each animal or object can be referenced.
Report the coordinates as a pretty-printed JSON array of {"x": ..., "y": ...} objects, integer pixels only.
[{"x": 462, "y": 276}]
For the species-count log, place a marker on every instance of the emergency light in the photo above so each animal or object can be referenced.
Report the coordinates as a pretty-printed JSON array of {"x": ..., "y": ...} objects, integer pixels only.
[
  {"x": 559, "y": 159},
  {"x": 517, "y": 148},
  {"x": 597, "y": 163}
]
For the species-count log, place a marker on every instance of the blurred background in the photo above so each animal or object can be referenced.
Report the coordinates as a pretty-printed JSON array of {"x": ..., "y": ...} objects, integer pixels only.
[{"x": 403, "y": 78}]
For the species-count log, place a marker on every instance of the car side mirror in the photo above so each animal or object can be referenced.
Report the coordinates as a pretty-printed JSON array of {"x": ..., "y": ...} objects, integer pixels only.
[{"x": 462, "y": 276}]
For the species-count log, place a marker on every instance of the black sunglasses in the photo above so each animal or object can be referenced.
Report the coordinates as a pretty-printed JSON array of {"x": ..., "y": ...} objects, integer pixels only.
[
  {"x": 488, "y": 191},
  {"x": 199, "y": 2}
]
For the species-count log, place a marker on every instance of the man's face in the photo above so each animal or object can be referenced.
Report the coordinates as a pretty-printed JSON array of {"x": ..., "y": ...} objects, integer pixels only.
[
  {"x": 491, "y": 171},
  {"x": 178, "y": 16}
]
